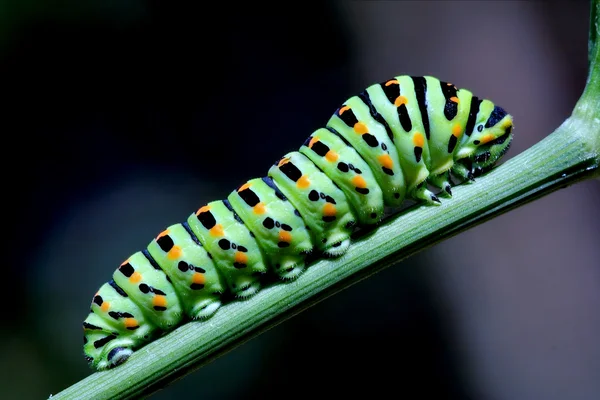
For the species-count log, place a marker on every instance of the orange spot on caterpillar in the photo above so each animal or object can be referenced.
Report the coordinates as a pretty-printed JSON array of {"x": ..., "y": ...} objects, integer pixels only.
[
  {"x": 174, "y": 253},
  {"x": 303, "y": 182},
  {"x": 202, "y": 210},
  {"x": 454, "y": 99},
  {"x": 360, "y": 128},
  {"x": 418, "y": 139},
  {"x": 105, "y": 306},
  {"x": 448, "y": 84},
  {"x": 331, "y": 156},
  {"x": 314, "y": 140},
  {"x": 159, "y": 301},
  {"x": 198, "y": 278},
  {"x": 130, "y": 322},
  {"x": 400, "y": 100},
  {"x": 329, "y": 210},
  {"x": 487, "y": 138},
  {"x": 456, "y": 130},
  {"x": 344, "y": 109},
  {"x": 283, "y": 161},
  {"x": 259, "y": 208},
  {"x": 163, "y": 233},
  {"x": 392, "y": 82},
  {"x": 386, "y": 161},
  {"x": 135, "y": 277},
  {"x": 241, "y": 258},
  {"x": 285, "y": 236},
  {"x": 216, "y": 230},
  {"x": 359, "y": 182}
]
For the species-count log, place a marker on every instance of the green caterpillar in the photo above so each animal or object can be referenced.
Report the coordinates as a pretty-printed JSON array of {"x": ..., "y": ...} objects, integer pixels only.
[{"x": 379, "y": 148}]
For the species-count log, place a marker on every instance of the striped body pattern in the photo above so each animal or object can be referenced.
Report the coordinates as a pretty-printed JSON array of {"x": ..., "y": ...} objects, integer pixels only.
[{"x": 394, "y": 141}]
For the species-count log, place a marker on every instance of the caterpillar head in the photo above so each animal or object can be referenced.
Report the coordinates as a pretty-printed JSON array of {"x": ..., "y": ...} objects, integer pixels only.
[{"x": 489, "y": 141}]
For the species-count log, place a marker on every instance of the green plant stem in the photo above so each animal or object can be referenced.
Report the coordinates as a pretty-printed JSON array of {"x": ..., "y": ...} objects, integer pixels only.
[{"x": 568, "y": 155}]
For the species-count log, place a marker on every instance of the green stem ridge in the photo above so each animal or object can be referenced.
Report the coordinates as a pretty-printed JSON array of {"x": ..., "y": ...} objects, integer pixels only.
[{"x": 569, "y": 155}]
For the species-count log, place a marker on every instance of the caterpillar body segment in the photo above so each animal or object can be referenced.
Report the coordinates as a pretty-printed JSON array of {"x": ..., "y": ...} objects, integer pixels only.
[
  {"x": 280, "y": 230},
  {"x": 326, "y": 212},
  {"x": 190, "y": 269},
  {"x": 233, "y": 249},
  {"x": 390, "y": 143},
  {"x": 344, "y": 166}
]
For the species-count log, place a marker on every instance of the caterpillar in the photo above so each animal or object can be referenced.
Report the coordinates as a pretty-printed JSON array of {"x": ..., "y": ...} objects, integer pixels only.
[{"x": 392, "y": 142}]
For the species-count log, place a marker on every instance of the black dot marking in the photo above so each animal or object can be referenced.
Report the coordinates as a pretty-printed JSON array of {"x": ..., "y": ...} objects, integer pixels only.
[
  {"x": 373, "y": 215},
  {"x": 313, "y": 195},
  {"x": 277, "y": 224},
  {"x": 330, "y": 218},
  {"x": 450, "y": 108},
  {"x": 199, "y": 270},
  {"x": 497, "y": 114},
  {"x": 473, "y": 111},
  {"x": 207, "y": 219},
  {"x": 362, "y": 190},
  {"x": 337, "y": 244},
  {"x": 418, "y": 153},
  {"x": 126, "y": 269},
  {"x": 183, "y": 266},
  {"x": 101, "y": 342},
  {"x": 324, "y": 240},
  {"x": 322, "y": 195},
  {"x": 420, "y": 84},
  {"x": 277, "y": 266},
  {"x": 342, "y": 167},
  {"x": 297, "y": 213},
  {"x": 283, "y": 244},
  {"x": 224, "y": 244},
  {"x": 476, "y": 142},
  {"x": 249, "y": 197},
  {"x": 160, "y": 308},
  {"x": 291, "y": 171},
  {"x": 286, "y": 227},
  {"x": 144, "y": 288},
  {"x": 98, "y": 300},
  {"x": 91, "y": 327},
  {"x": 269, "y": 223},
  {"x": 396, "y": 195},
  {"x": 233, "y": 246},
  {"x": 242, "y": 249},
  {"x": 387, "y": 171},
  {"x": 330, "y": 199},
  {"x": 197, "y": 286},
  {"x": 370, "y": 140},
  {"x": 383, "y": 147},
  {"x": 320, "y": 148},
  {"x": 165, "y": 243},
  {"x": 452, "y": 143},
  {"x": 239, "y": 265}
]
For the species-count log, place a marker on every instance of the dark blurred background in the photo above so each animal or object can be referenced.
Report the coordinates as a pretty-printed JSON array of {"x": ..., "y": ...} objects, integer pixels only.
[{"x": 122, "y": 117}]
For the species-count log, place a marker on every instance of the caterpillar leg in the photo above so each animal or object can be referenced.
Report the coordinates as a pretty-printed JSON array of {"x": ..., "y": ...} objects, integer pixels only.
[
  {"x": 463, "y": 173},
  {"x": 422, "y": 193},
  {"x": 442, "y": 181}
]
